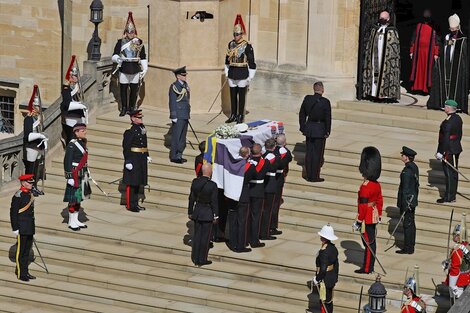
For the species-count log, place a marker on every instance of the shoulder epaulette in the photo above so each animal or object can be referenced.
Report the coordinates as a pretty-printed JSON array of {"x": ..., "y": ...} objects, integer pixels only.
[{"x": 18, "y": 193}]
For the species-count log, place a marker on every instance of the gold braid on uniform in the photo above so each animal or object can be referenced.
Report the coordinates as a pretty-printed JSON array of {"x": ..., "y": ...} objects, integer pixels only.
[
  {"x": 232, "y": 54},
  {"x": 180, "y": 94}
]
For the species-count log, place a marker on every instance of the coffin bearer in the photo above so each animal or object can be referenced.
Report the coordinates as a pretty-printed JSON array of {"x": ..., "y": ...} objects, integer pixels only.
[
  {"x": 407, "y": 199},
  {"x": 22, "y": 224},
  {"x": 327, "y": 268},
  {"x": 315, "y": 124},
  {"x": 136, "y": 157},
  {"x": 240, "y": 69},
  {"x": 203, "y": 210},
  {"x": 72, "y": 108},
  {"x": 76, "y": 173},
  {"x": 180, "y": 110},
  {"x": 129, "y": 54},
  {"x": 449, "y": 149},
  {"x": 413, "y": 303},
  {"x": 369, "y": 206},
  {"x": 270, "y": 189},
  {"x": 34, "y": 140}
]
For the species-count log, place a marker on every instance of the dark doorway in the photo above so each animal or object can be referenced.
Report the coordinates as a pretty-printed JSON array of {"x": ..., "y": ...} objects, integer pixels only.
[{"x": 406, "y": 14}]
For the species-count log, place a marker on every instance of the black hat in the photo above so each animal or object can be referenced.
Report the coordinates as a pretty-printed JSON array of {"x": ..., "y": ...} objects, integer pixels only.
[
  {"x": 135, "y": 113},
  {"x": 371, "y": 163},
  {"x": 180, "y": 71},
  {"x": 79, "y": 126},
  {"x": 408, "y": 152}
]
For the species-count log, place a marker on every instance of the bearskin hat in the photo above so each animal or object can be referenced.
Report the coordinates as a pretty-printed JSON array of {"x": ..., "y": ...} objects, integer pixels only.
[{"x": 371, "y": 163}]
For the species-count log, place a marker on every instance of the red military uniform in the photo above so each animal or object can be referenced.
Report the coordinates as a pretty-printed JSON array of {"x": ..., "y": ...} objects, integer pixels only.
[
  {"x": 369, "y": 207},
  {"x": 456, "y": 258},
  {"x": 413, "y": 305}
]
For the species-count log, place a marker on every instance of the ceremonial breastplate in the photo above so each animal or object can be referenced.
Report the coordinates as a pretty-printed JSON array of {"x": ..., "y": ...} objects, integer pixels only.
[
  {"x": 236, "y": 54},
  {"x": 131, "y": 51}
]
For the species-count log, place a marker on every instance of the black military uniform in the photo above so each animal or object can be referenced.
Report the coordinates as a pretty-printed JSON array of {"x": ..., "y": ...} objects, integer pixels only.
[
  {"x": 239, "y": 220},
  {"x": 203, "y": 210},
  {"x": 450, "y": 135},
  {"x": 136, "y": 157},
  {"x": 315, "y": 124},
  {"x": 198, "y": 162},
  {"x": 285, "y": 157},
  {"x": 22, "y": 222},
  {"x": 270, "y": 191},
  {"x": 180, "y": 110},
  {"x": 256, "y": 200},
  {"x": 407, "y": 200}
]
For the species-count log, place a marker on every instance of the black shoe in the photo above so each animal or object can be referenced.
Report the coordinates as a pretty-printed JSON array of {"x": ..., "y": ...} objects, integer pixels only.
[
  {"x": 442, "y": 200},
  {"x": 240, "y": 119},
  {"x": 361, "y": 271},
  {"x": 402, "y": 251},
  {"x": 242, "y": 250},
  {"x": 231, "y": 119},
  {"x": 122, "y": 113},
  {"x": 205, "y": 263},
  {"x": 30, "y": 276},
  {"x": 211, "y": 245},
  {"x": 74, "y": 229},
  {"x": 316, "y": 180},
  {"x": 84, "y": 226},
  {"x": 141, "y": 208},
  {"x": 410, "y": 252},
  {"x": 24, "y": 278},
  {"x": 268, "y": 238},
  {"x": 179, "y": 161},
  {"x": 133, "y": 210},
  {"x": 275, "y": 232},
  {"x": 220, "y": 239},
  {"x": 257, "y": 245},
  {"x": 183, "y": 160}
]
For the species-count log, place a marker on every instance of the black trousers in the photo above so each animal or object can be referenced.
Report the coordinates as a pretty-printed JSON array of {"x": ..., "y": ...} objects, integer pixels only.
[
  {"x": 201, "y": 239},
  {"x": 316, "y": 305},
  {"x": 25, "y": 242},
  {"x": 237, "y": 100},
  {"x": 132, "y": 196},
  {"x": 68, "y": 133},
  {"x": 277, "y": 205},
  {"x": 369, "y": 259},
  {"x": 178, "y": 138},
  {"x": 128, "y": 105},
  {"x": 328, "y": 303},
  {"x": 268, "y": 209},
  {"x": 314, "y": 157},
  {"x": 256, "y": 210},
  {"x": 452, "y": 177},
  {"x": 409, "y": 229},
  {"x": 238, "y": 218}
]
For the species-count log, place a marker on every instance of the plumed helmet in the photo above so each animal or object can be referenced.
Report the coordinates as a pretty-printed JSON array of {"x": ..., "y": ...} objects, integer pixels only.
[
  {"x": 371, "y": 163},
  {"x": 72, "y": 70},
  {"x": 411, "y": 284},
  {"x": 130, "y": 25},
  {"x": 239, "y": 26},
  {"x": 34, "y": 100},
  {"x": 454, "y": 21}
]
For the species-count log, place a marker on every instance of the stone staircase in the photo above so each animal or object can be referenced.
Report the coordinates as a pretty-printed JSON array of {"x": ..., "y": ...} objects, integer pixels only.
[{"x": 127, "y": 262}]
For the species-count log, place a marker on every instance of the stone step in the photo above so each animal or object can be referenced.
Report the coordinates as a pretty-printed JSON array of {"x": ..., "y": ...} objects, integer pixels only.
[{"x": 16, "y": 307}]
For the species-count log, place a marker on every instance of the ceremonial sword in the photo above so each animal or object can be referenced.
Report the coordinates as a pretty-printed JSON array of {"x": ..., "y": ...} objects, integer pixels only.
[
  {"x": 223, "y": 85},
  {"x": 372, "y": 252},
  {"x": 455, "y": 169},
  {"x": 401, "y": 218}
]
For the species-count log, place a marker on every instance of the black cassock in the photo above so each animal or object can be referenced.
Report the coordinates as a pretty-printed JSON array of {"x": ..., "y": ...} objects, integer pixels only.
[{"x": 450, "y": 75}]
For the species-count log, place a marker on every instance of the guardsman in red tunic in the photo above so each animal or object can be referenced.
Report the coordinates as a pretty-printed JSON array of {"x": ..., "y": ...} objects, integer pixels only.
[
  {"x": 369, "y": 205},
  {"x": 22, "y": 224},
  {"x": 459, "y": 262},
  {"x": 413, "y": 303}
]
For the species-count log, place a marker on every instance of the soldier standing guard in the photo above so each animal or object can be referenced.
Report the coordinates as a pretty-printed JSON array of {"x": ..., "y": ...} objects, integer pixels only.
[
  {"x": 72, "y": 109},
  {"x": 34, "y": 141},
  {"x": 240, "y": 69},
  {"x": 369, "y": 205},
  {"x": 76, "y": 174},
  {"x": 449, "y": 149},
  {"x": 407, "y": 199},
  {"x": 413, "y": 303},
  {"x": 136, "y": 157},
  {"x": 180, "y": 110},
  {"x": 22, "y": 224},
  {"x": 327, "y": 268},
  {"x": 129, "y": 54}
]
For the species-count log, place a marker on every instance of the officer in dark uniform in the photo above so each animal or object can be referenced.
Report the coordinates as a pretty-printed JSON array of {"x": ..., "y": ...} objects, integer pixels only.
[
  {"x": 129, "y": 54},
  {"x": 449, "y": 149},
  {"x": 327, "y": 268},
  {"x": 180, "y": 110},
  {"x": 285, "y": 157},
  {"x": 240, "y": 69},
  {"x": 76, "y": 173},
  {"x": 315, "y": 124},
  {"x": 256, "y": 195},
  {"x": 270, "y": 189},
  {"x": 22, "y": 224},
  {"x": 203, "y": 210},
  {"x": 407, "y": 199},
  {"x": 136, "y": 157}
]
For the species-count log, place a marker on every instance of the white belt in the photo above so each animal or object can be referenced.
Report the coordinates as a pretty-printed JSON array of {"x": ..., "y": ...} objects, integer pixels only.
[
  {"x": 270, "y": 174},
  {"x": 280, "y": 171},
  {"x": 259, "y": 181},
  {"x": 74, "y": 164}
]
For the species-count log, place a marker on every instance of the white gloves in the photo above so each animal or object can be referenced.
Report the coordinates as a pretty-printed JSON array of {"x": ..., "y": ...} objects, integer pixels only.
[
  {"x": 16, "y": 232},
  {"x": 457, "y": 292},
  {"x": 43, "y": 142},
  {"x": 117, "y": 59},
  {"x": 35, "y": 136},
  {"x": 439, "y": 156},
  {"x": 174, "y": 120},
  {"x": 315, "y": 280},
  {"x": 129, "y": 166},
  {"x": 71, "y": 182},
  {"x": 251, "y": 74},
  {"x": 149, "y": 159},
  {"x": 356, "y": 225},
  {"x": 145, "y": 65},
  {"x": 226, "y": 70},
  {"x": 75, "y": 105}
]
